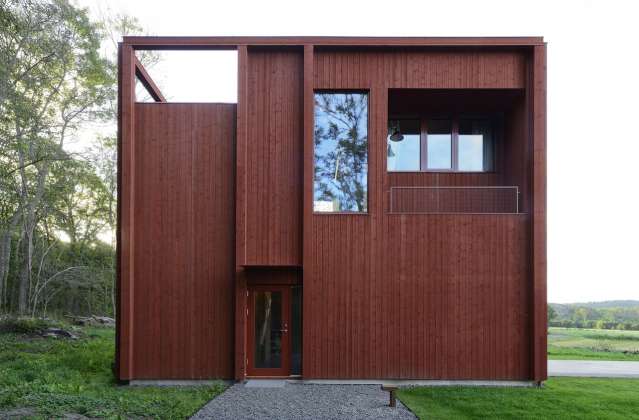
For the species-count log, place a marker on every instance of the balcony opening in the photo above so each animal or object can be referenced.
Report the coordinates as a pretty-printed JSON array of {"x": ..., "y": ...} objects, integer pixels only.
[
  {"x": 457, "y": 151},
  {"x": 198, "y": 76}
]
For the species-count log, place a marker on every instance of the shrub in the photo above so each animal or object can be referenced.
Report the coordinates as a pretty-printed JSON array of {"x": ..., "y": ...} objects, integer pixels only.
[{"x": 20, "y": 325}]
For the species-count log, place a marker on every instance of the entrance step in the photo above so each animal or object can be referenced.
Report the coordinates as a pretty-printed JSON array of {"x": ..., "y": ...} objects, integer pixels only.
[{"x": 265, "y": 383}]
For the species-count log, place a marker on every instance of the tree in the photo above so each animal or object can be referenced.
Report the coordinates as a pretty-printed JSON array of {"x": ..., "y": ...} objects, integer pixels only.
[
  {"x": 54, "y": 204},
  {"x": 552, "y": 313},
  {"x": 57, "y": 79}
]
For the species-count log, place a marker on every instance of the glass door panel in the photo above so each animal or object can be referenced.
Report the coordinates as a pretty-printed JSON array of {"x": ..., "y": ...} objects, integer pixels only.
[
  {"x": 268, "y": 329},
  {"x": 269, "y": 339}
]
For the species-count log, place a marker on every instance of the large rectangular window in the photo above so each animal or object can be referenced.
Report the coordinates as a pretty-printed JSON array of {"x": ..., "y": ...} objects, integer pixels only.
[
  {"x": 434, "y": 144},
  {"x": 341, "y": 152}
]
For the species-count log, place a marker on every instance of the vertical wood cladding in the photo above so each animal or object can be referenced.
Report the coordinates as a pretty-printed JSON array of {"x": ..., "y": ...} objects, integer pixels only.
[
  {"x": 539, "y": 263},
  {"x": 432, "y": 296},
  {"x": 273, "y": 212},
  {"x": 426, "y": 69},
  {"x": 184, "y": 249},
  {"x": 415, "y": 296}
]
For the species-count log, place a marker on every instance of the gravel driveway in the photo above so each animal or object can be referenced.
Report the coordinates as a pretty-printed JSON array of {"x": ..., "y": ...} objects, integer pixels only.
[{"x": 302, "y": 401}]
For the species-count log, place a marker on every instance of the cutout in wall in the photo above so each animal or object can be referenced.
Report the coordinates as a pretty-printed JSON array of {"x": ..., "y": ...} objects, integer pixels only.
[{"x": 190, "y": 76}]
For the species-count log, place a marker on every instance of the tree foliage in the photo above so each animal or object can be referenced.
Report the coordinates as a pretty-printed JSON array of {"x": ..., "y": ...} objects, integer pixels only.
[
  {"x": 610, "y": 316},
  {"x": 55, "y": 204}
]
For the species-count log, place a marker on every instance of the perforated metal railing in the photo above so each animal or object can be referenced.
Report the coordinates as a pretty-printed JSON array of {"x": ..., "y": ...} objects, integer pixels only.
[{"x": 454, "y": 199}]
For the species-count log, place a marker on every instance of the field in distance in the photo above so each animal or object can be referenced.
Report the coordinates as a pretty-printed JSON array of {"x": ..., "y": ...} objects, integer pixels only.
[{"x": 592, "y": 344}]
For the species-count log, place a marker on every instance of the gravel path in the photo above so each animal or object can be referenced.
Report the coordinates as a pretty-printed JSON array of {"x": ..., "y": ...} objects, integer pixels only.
[{"x": 303, "y": 401}]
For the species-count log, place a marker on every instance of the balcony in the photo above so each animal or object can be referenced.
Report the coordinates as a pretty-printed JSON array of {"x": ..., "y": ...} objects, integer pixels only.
[{"x": 455, "y": 199}]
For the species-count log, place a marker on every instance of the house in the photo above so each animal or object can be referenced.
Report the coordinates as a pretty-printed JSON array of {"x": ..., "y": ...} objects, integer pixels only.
[{"x": 371, "y": 208}]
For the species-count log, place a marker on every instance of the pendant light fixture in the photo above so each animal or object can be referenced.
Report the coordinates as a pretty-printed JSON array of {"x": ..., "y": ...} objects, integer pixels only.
[{"x": 396, "y": 134}]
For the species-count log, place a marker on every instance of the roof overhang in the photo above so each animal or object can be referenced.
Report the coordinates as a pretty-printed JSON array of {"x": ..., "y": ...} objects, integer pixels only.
[{"x": 232, "y": 42}]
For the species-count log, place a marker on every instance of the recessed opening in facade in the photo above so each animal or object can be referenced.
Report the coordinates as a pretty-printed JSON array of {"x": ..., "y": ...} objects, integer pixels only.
[
  {"x": 466, "y": 144},
  {"x": 190, "y": 76}
]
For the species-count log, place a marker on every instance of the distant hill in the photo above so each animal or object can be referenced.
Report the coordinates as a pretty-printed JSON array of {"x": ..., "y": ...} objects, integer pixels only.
[
  {"x": 603, "y": 304},
  {"x": 611, "y": 314}
]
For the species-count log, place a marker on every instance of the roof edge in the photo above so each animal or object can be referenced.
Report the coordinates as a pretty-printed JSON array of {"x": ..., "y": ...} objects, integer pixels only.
[{"x": 231, "y": 42}]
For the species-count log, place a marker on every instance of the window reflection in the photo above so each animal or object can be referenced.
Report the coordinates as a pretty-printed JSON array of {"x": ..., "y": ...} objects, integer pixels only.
[
  {"x": 341, "y": 152},
  {"x": 439, "y": 144},
  {"x": 268, "y": 329},
  {"x": 403, "y": 148},
  {"x": 475, "y": 149}
]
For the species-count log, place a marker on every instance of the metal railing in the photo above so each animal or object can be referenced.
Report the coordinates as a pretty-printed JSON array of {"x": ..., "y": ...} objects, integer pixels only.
[{"x": 454, "y": 199}]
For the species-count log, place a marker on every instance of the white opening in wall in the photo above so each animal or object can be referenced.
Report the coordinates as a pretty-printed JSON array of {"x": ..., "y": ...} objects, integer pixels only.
[{"x": 190, "y": 76}]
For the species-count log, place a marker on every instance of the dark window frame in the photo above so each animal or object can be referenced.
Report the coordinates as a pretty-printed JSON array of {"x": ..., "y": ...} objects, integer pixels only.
[{"x": 454, "y": 120}]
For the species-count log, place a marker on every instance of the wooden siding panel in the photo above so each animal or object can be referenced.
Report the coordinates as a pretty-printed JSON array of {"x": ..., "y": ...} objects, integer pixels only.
[
  {"x": 448, "y": 300},
  {"x": 441, "y": 296},
  {"x": 274, "y": 158},
  {"x": 427, "y": 69},
  {"x": 184, "y": 181}
]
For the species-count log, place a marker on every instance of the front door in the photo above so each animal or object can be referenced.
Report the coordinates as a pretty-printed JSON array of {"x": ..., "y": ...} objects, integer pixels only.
[{"x": 268, "y": 333}]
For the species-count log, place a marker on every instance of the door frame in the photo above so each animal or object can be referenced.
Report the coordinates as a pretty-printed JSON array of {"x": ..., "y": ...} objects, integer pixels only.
[{"x": 285, "y": 369}]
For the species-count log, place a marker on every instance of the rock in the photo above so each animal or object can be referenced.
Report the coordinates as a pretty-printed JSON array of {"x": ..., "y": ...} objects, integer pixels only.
[
  {"x": 58, "y": 332},
  {"x": 92, "y": 320},
  {"x": 104, "y": 320},
  {"x": 18, "y": 413}
]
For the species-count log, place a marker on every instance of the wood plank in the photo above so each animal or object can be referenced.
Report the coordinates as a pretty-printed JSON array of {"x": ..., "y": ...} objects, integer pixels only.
[
  {"x": 539, "y": 265},
  {"x": 240, "y": 212},
  {"x": 231, "y": 42},
  {"x": 147, "y": 82},
  {"x": 126, "y": 206},
  {"x": 310, "y": 300}
]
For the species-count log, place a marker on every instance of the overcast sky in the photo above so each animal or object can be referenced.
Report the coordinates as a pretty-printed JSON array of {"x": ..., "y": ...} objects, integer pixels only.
[{"x": 593, "y": 94}]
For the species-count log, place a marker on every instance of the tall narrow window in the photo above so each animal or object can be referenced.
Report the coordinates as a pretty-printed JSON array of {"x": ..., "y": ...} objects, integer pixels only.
[{"x": 341, "y": 152}]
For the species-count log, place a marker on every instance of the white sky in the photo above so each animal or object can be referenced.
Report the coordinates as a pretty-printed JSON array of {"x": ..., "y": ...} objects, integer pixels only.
[{"x": 593, "y": 86}]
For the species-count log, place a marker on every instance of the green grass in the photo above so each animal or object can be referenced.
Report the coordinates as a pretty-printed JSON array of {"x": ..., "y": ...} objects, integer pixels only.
[
  {"x": 57, "y": 376},
  {"x": 560, "y": 398},
  {"x": 587, "y": 344}
]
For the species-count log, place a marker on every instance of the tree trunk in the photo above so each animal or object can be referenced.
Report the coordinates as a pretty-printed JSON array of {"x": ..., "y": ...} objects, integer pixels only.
[
  {"x": 5, "y": 255},
  {"x": 29, "y": 222},
  {"x": 25, "y": 274}
]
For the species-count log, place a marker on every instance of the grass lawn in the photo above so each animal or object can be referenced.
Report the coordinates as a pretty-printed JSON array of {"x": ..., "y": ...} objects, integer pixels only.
[
  {"x": 561, "y": 398},
  {"x": 586, "y": 344},
  {"x": 51, "y": 377}
]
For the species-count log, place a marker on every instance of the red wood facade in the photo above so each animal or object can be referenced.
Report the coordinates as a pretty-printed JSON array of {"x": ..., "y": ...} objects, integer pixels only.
[{"x": 217, "y": 199}]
